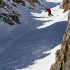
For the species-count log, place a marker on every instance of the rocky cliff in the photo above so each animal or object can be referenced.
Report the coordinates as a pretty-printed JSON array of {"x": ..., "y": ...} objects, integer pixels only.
[
  {"x": 62, "y": 61},
  {"x": 65, "y": 5},
  {"x": 7, "y": 12},
  {"x": 63, "y": 55},
  {"x": 32, "y": 2}
]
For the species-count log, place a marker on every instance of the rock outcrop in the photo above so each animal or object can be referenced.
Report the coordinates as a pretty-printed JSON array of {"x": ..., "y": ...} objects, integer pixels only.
[
  {"x": 62, "y": 61},
  {"x": 32, "y": 2},
  {"x": 63, "y": 55},
  {"x": 11, "y": 17},
  {"x": 65, "y": 5},
  {"x": 19, "y": 1}
]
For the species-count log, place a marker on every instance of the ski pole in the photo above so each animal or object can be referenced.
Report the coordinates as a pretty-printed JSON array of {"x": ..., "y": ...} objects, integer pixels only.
[{"x": 44, "y": 14}]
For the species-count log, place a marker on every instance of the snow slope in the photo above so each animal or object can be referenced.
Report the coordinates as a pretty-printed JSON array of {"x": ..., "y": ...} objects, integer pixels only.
[
  {"x": 24, "y": 46},
  {"x": 58, "y": 18},
  {"x": 44, "y": 63}
]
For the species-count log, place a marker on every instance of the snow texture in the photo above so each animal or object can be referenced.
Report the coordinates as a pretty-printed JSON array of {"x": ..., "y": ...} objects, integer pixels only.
[{"x": 25, "y": 46}]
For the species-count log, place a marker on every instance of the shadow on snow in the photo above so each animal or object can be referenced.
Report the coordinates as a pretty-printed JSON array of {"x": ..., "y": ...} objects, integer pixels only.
[
  {"x": 30, "y": 47},
  {"x": 28, "y": 43}
]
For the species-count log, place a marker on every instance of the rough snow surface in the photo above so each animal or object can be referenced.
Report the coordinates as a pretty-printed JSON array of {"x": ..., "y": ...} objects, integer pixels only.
[
  {"x": 44, "y": 63},
  {"x": 25, "y": 46},
  {"x": 58, "y": 16}
]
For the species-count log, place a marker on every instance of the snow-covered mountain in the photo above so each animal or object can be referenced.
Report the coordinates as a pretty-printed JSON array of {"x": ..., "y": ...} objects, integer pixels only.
[{"x": 24, "y": 45}]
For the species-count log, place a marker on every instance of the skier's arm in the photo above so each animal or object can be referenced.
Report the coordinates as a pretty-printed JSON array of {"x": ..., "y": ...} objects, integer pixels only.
[{"x": 46, "y": 11}]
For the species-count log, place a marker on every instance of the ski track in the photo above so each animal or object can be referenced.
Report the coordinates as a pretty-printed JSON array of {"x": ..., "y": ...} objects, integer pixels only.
[{"x": 59, "y": 16}]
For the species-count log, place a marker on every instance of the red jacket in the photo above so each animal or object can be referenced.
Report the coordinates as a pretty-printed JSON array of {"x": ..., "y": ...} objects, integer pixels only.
[{"x": 48, "y": 10}]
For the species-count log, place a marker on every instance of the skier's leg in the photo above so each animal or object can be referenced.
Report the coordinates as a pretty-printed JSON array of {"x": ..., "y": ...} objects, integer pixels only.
[
  {"x": 48, "y": 14},
  {"x": 51, "y": 15}
]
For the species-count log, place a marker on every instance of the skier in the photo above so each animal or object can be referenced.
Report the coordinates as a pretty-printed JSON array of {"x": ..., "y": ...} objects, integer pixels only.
[{"x": 49, "y": 11}]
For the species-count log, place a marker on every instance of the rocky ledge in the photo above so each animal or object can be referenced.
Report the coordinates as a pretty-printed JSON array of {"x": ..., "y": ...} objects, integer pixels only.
[
  {"x": 62, "y": 61},
  {"x": 65, "y": 5},
  {"x": 12, "y": 17},
  {"x": 32, "y": 2},
  {"x": 63, "y": 55}
]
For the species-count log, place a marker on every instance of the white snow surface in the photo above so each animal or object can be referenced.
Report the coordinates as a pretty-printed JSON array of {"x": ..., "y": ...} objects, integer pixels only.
[
  {"x": 25, "y": 46},
  {"x": 44, "y": 63}
]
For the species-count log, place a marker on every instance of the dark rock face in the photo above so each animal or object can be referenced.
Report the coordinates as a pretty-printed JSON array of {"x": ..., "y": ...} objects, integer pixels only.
[
  {"x": 10, "y": 18},
  {"x": 63, "y": 55},
  {"x": 19, "y": 1},
  {"x": 32, "y": 2},
  {"x": 65, "y": 5},
  {"x": 0, "y": 1}
]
